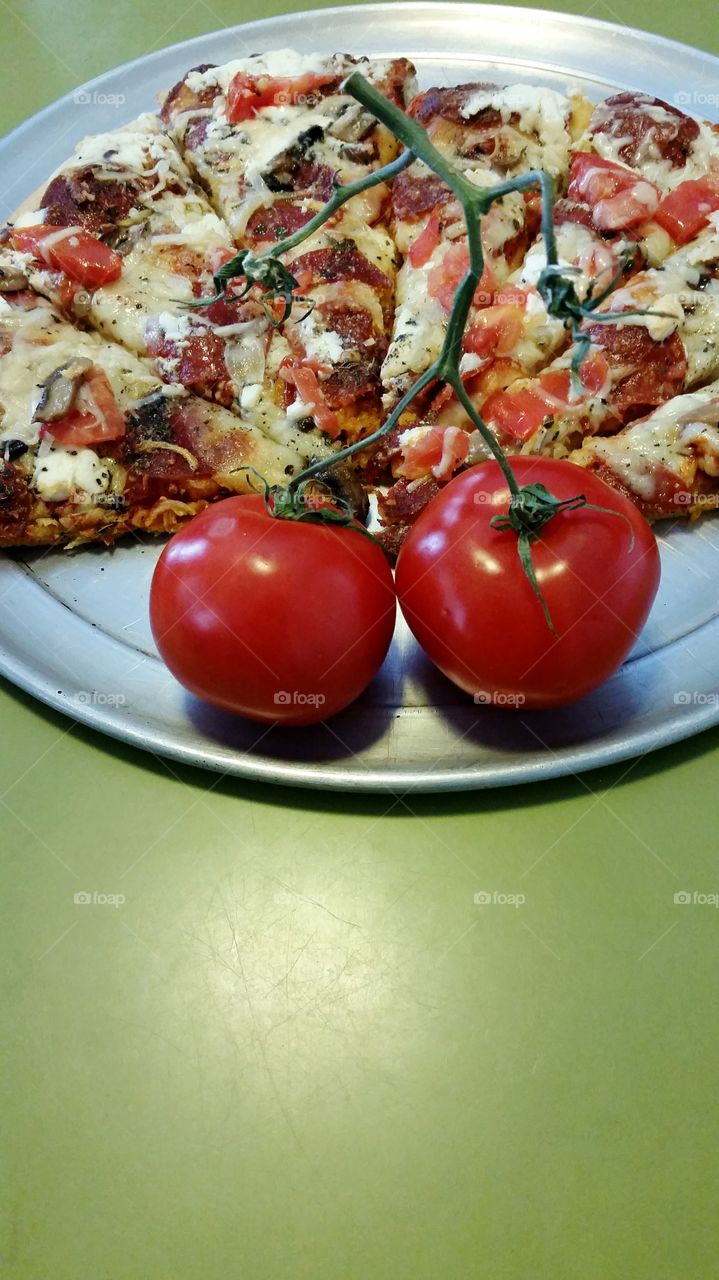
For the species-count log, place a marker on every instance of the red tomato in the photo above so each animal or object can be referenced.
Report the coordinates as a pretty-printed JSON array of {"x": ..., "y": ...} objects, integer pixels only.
[
  {"x": 436, "y": 450},
  {"x": 304, "y": 378},
  {"x": 249, "y": 94},
  {"x": 273, "y": 619},
  {"x": 445, "y": 278},
  {"x": 619, "y": 198},
  {"x": 423, "y": 247},
  {"x": 94, "y": 417},
  {"x": 81, "y": 256},
  {"x": 516, "y": 413},
  {"x": 686, "y": 210},
  {"x": 464, "y": 593},
  {"x": 519, "y": 412},
  {"x": 496, "y": 331}
]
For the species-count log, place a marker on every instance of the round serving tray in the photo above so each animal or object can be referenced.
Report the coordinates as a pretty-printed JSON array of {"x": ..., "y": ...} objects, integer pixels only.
[{"x": 73, "y": 627}]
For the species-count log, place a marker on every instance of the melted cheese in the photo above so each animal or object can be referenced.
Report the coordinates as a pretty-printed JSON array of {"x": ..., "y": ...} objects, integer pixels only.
[
  {"x": 63, "y": 473},
  {"x": 275, "y": 63},
  {"x": 703, "y": 153},
  {"x": 680, "y": 437},
  {"x": 543, "y": 115},
  {"x": 40, "y": 344},
  {"x": 419, "y": 327}
]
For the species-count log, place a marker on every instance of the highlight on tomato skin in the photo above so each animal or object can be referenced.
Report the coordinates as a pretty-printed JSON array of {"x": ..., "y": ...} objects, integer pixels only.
[
  {"x": 278, "y": 620},
  {"x": 467, "y": 600}
]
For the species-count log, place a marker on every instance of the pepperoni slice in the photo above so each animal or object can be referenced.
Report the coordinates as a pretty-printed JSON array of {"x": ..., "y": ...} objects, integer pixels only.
[
  {"x": 650, "y": 372},
  {"x": 450, "y": 103},
  {"x": 81, "y": 199},
  {"x": 644, "y": 126},
  {"x": 342, "y": 261},
  {"x": 415, "y": 194},
  {"x": 276, "y": 221},
  {"x": 402, "y": 503}
]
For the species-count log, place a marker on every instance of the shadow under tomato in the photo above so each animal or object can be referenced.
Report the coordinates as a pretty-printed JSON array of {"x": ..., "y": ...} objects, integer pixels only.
[
  {"x": 342, "y": 736},
  {"x": 599, "y": 715}
]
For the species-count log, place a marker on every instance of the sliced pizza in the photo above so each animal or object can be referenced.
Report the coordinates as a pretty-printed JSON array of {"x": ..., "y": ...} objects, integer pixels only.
[
  {"x": 268, "y": 136},
  {"x": 488, "y": 134},
  {"x": 645, "y": 169},
  {"x": 635, "y": 363},
  {"x": 93, "y": 445},
  {"x": 667, "y": 463}
]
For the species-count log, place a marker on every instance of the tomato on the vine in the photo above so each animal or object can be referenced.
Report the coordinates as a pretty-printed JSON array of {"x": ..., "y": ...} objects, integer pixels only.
[
  {"x": 467, "y": 599},
  {"x": 275, "y": 619}
]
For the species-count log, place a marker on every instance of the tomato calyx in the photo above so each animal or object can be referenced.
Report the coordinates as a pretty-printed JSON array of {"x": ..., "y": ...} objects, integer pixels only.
[
  {"x": 276, "y": 282},
  {"x": 310, "y": 501},
  {"x": 531, "y": 507}
]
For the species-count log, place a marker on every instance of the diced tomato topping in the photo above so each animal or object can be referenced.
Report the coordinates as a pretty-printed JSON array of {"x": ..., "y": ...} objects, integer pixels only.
[
  {"x": 444, "y": 279},
  {"x": 618, "y": 197},
  {"x": 519, "y": 413},
  {"x": 308, "y": 388},
  {"x": 686, "y": 210},
  {"x": 516, "y": 413},
  {"x": 249, "y": 94},
  {"x": 81, "y": 256},
  {"x": 424, "y": 246},
  {"x": 438, "y": 451},
  {"x": 496, "y": 331},
  {"x": 95, "y": 416}
]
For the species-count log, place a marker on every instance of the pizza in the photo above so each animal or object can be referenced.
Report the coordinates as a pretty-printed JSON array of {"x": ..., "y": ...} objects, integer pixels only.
[
  {"x": 132, "y": 393},
  {"x": 95, "y": 445}
]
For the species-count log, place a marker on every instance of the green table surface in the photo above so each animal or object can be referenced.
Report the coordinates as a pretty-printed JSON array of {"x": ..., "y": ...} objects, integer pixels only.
[{"x": 297, "y": 1048}]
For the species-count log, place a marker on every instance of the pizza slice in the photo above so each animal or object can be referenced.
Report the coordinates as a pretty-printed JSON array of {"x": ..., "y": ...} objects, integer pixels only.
[
  {"x": 488, "y": 134},
  {"x": 269, "y": 134},
  {"x": 94, "y": 445},
  {"x": 667, "y": 463},
  {"x": 634, "y": 364},
  {"x": 647, "y": 170}
]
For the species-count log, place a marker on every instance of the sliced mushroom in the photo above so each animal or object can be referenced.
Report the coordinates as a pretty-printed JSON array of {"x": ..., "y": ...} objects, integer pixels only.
[
  {"x": 353, "y": 124},
  {"x": 344, "y": 482},
  {"x": 12, "y": 278},
  {"x": 60, "y": 388},
  {"x": 279, "y": 174},
  {"x": 358, "y": 152}
]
